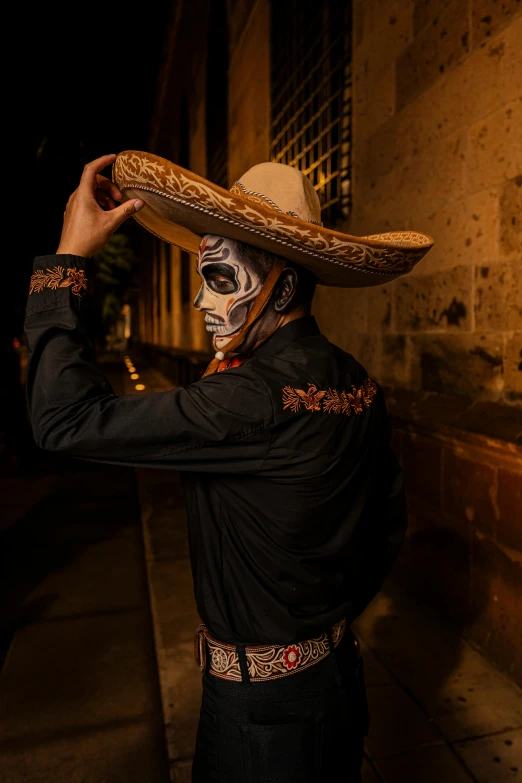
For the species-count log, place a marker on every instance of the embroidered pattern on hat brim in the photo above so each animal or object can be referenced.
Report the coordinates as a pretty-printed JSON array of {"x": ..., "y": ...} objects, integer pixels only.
[
  {"x": 330, "y": 400},
  {"x": 399, "y": 257}
]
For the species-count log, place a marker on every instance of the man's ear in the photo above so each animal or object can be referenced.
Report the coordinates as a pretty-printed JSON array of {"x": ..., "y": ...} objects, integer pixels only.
[{"x": 285, "y": 290}]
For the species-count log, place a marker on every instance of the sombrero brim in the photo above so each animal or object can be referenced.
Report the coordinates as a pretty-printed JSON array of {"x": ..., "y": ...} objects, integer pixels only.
[{"x": 180, "y": 207}]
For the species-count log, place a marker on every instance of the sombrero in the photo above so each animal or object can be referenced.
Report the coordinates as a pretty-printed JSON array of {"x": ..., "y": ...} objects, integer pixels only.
[{"x": 272, "y": 206}]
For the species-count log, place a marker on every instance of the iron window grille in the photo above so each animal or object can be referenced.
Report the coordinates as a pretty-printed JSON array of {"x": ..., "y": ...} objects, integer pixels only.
[{"x": 312, "y": 97}]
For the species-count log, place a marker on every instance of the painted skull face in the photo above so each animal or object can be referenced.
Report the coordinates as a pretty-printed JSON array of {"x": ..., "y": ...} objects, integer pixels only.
[{"x": 228, "y": 289}]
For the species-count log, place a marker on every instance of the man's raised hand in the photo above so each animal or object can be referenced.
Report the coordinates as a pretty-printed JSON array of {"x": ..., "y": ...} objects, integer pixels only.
[{"x": 92, "y": 215}]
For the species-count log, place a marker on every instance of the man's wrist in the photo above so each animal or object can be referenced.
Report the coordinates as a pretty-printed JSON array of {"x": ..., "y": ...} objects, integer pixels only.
[{"x": 70, "y": 251}]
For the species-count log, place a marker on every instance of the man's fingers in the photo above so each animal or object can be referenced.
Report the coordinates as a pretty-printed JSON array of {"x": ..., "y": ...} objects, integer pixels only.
[
  {"x": 124, "y": 212},
  {"x": 103, "y": 199},
  {"x": 106, "y": 184},
  {"x": 88, "y": 181}
]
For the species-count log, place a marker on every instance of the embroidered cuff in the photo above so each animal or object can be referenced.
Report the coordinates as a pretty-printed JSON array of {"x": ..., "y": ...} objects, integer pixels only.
[{"x": 58, "y": 281}]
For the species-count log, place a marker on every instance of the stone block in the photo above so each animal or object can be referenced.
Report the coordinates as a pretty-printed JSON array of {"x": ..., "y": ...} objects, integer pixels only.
[
  {"x": 430, "y": 764},
  {"x": 421, "y": 462},
  {"x": 496, "y": 758},
  {"x": 437, "y": 302},
  {"x": 426, "y": 11},
  {"x": 367, "y": 351},
  {"x": 476, "y": 87},
  {"x": 495, "y": 148},
  {"x": 341, "y": 313},
  {"x": 494, "y": 420},
  {"x": 395, "y": 363},
  {"x": 511, "y": 216},
  {"x": 469, "y": 490},
  {"x": 465, "y": 231},
  {"x": 498, "y": 622},
  {"x": 513, "y": 366},
  {"x": 489, "y": 17},
  {"x": 498, "y": 297},
  {"x": 509, "y": 500},
  {"x": 511, "y": 59},
  {"x": 382, "y": 150},
  {"x": 381, "y": 308},
  {"x": 426, "y": 181},
  {"x": 388, "y": 28},
  {"x": 439, "y": 47},
  {"x": 374, "y": 98},
  {"x": 358, "y": 22},
  {"x": 398, "y": 724},
  {"x": 469, "y": 364}
]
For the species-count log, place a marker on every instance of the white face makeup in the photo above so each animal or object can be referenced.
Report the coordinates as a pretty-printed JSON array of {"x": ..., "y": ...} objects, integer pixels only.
[{"x": 228, "y": 289}]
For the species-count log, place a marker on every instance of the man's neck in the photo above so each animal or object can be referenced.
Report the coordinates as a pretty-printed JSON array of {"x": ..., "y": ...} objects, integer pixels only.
[{"x": 281, "y": 320}]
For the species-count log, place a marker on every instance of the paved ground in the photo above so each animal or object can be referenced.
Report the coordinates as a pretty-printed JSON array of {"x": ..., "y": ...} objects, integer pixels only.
[
  {"x": 441, "y": 713},
  {"x": 80, "y": 699}
]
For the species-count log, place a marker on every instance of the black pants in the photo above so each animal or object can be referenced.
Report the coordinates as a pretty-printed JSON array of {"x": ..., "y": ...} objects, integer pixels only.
[{"x": 305, "y": 728}]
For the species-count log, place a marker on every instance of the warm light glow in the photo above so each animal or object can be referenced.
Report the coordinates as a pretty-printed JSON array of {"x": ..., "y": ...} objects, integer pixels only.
[
  {"x": 131, "y": 368},
  {"x": 127, "y": 358},
  {"x": 135, "y": 376},
  {"x": 139, "y": 387}
]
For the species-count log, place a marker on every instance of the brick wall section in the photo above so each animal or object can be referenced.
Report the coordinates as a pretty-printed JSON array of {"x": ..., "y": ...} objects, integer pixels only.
[{"x": 438, "y": 147}]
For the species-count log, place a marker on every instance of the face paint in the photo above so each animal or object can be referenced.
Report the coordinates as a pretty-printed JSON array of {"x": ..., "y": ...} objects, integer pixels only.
[{"x": 228, "y": 289}]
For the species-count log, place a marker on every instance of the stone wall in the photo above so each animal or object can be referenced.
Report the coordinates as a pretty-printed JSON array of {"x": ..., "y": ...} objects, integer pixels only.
[{"x": 437, "y": 146}]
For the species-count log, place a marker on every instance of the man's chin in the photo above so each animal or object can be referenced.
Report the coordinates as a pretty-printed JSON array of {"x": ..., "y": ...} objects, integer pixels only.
[{"x": 220, "y": 342}]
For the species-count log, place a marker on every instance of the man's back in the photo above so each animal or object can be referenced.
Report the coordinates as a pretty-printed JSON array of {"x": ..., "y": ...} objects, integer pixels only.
[{"x": 302, "y": 533}]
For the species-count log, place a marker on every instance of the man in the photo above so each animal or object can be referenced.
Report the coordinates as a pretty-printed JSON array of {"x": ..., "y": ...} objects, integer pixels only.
[{"x": 295, "y": 502}]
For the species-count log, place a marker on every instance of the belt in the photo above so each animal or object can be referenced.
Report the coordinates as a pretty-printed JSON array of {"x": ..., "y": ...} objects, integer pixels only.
[{"x": 264, "y": 661}]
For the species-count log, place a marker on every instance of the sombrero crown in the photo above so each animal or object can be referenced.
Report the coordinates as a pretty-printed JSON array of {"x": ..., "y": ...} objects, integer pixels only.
[{"x": 272, "y": 206}]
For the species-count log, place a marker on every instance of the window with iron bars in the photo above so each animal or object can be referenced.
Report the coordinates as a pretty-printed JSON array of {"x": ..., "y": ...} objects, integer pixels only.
[{"x": 311, "y": 97}]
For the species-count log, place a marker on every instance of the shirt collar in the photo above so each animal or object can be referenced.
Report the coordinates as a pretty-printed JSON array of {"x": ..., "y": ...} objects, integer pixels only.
[{"x": 294, "y": 330}]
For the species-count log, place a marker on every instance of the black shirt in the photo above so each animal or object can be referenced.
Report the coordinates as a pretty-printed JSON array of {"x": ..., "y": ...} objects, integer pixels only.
[{"x": 295, "y": 503}]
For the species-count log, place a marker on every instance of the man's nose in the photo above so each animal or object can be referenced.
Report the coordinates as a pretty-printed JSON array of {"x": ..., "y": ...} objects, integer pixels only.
[{"x": 202, "y": 302}]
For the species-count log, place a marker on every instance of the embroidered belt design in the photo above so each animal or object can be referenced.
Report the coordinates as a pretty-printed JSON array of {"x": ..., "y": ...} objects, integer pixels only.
[
  {"x": 54, "y": 278},
  {"x": 330, "y": 400},
  {"x": 264, "y": 662}
]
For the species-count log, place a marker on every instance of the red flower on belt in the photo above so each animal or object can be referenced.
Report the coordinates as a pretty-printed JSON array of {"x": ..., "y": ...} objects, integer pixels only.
[{"x": 291, "y": 656}]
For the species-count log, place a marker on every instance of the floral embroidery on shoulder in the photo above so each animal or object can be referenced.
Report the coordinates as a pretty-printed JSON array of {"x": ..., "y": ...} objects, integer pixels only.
[
  {"x": 54, "y": 278},
  {"x": 331, "y": 400}
]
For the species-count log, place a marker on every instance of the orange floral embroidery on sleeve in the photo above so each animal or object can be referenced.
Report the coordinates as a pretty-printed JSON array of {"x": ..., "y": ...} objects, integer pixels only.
[
  {"x": 331, "y": 400},
  {"x": 54, "y": 278}
]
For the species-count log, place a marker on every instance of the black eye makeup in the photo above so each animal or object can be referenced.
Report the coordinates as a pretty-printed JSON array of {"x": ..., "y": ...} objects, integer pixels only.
[{"x": 220, "y": 278}]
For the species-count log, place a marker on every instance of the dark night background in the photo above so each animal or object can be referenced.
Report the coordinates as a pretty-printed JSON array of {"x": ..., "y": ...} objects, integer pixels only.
[{"x": 83, "y": 82}]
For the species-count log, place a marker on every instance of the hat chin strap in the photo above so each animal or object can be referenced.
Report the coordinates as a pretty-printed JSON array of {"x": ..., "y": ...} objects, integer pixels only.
[{"x": 259, "y": 304}]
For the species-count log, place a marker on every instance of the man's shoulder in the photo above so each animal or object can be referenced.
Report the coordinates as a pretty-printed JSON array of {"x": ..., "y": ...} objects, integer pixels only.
[
  {"x": 313, "y": 355},
  {"x": 314, "y": 373}
]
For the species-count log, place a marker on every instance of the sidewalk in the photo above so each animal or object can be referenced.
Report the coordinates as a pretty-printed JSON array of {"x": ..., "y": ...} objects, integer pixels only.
[
  {"x": 80, "y": 700},
  {"x": 441, "y": 713}
]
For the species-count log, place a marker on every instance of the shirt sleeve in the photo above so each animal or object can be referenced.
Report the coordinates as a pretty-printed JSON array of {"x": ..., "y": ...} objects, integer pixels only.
[{"x": 219, "y": 424}]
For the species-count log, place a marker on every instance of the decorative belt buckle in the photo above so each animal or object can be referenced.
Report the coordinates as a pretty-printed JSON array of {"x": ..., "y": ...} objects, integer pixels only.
[{"x": 200, "y": 647}]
